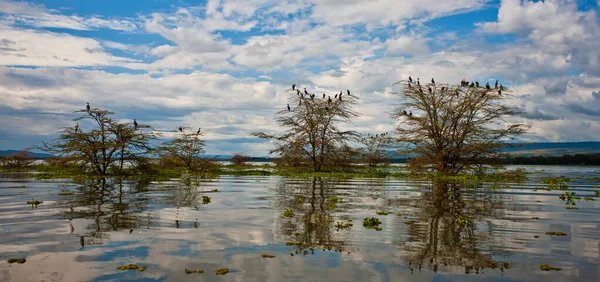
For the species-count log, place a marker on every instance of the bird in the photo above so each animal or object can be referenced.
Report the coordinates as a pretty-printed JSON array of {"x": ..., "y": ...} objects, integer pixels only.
[
  {"x": 496, "y": 85},
  {"x": 293, "y": 86},
  {"x": 499, "y": 92},
  {"x": 348, "y": 91},
  {"x": 477, "y": 83},
  {"x": 341, "y": 93},
  {"x": 312, "y": 96},
  {"x": 418, "y": 82},
  {"x": 326, "y": 108},
  {"x": 429, "y": 88},
  {"x": 410, "y": 79},
  {"x": 501, "y": 87},
  {"x": 76, "y": 127},
  {"x": 432, "y": 81},
  {"x": 135, "y": 124},
  {"x": 410, "y": 114},
  {"x": 443, "y": 88},
  {"x": 472, "y": 84},
  {"x": 329, "y": 100},
  {"x": 288, "y": 106},
  {"x": 404, "y": 112},
  {"x": 463, "y": 82},
  {"x": 305, "y": 92},
  {"x": 323, "y": 95},
  {"x": 87, "y": 106},
  {"x": 340, "y": 97},
  {"x": 487, "y": 85},
  {"x": 335, "y": 97},
  {"x": 298, "y": 92},
  {"x": 181, "y": 129},
  {"x": 198, "y": 132}
]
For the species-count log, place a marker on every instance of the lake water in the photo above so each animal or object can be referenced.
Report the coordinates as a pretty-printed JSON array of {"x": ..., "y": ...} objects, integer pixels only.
[{"x": 433, "y": 232}]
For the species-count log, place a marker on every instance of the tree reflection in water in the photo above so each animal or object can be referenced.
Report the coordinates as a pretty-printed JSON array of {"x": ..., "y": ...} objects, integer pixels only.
[
  {"x": 452, "y": 229},
  {"x": 312, "y": 228}
]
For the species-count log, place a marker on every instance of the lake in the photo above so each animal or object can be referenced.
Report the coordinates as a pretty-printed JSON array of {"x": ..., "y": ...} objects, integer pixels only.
[{"x": 434, "y": 231}]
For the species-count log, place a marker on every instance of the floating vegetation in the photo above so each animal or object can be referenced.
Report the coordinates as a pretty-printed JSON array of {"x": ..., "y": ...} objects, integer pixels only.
[
  {"x": 343, "y": 225},
  {"x": 190, "y": 271},
  {"x": 332, "y": 201},
  {"x": 536, "y": 236},
  {"x": 410, "y": 222},
  {"x": 221, "y": 271},
  {"x": 214, "y": 190},
  {"x": 338, "y": 210},
  {"x": 597, "y": 193},
  {"x": 589, "y": 199},
  {"x": 287, "y": 213},
  {"x": 17, "y": 260},
  {"x": 571, "y": 208},
  {"x": 556, "y": 233},
  {"x": 463, "y": 220},
  {"x": 547, "y": 267},
  {"x": 535, "y": 217},
  {"x": 267, "y": 256},
  {"x": 569, "y": 197},
  {"x": 381, "y": 213},
  {"x": 371, "y": 222},
  {"x": 398, "y": 214},
  {"x": 205, "y": 200},
  {"x": 553, "y": 183},
  {"x": 293, "y": 243},
  {"x": 132, "y": 267},
  {"x": 34, "y": 202}
]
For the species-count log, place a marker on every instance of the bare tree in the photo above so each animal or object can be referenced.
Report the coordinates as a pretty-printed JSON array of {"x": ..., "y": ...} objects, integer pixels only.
[
  {"x": 107, "y": 145},
  {"x": 240, "y": 159},
  {"x": 374, "y": 149},
  {"x": 186, "y": 147},
  {"x": 452, "y": 128},
  {"x": 312, "y": 121},
  {"x": 17, "y": 160}
]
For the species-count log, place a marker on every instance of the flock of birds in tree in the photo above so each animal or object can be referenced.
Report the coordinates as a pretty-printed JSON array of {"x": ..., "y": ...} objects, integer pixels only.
[
  {"x": 135, "y": 123},
  {"x": 463, "y": 83},
  {"x": 307, "y": 95}
]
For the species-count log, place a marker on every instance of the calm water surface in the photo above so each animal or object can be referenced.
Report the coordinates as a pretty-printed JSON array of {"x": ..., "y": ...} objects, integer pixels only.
[{"x": 84, "y": 230}]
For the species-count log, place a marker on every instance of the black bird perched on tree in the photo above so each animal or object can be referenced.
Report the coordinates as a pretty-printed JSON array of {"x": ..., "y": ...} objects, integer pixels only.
[
  {"x": 463, "y": 82},
  {"x": 341, "y": 93},
  {"x": 326, "y": 108},
  {"x": 487, "y": 85},
  {"x": 477, "y": 83},
  {"x": 443, "y": 88},
  {"x": 76, "y": 127},
  {"x": 340, "y": 97},
  {"x": 135, "y": 124},
  {"x": 496, "y": 85},
  {"x": 499, "y": 92},
  {"x": 198, "y": 132},
  {"x": 410, "y": 114},
  {"x": 501, "y": 87},
  {"x": 87, "y": 106},
  {"x": 293, "y": 86},
  {"x": 418, "y": 82},
  {"x": 335, "y": 97},
  {"x": 288, "y": 106},
  {"x": 429, "y": 88},
  {"x": 410, "y": 79},
  {"x": 305, "y": 92},
  {"x": 472, "y": 84},
  {"x": 432, "y": 81},
  {"x": 348, "y": 91},
  {"x": 329, "y": 100},
  {"x": 181, "y": 129},
  {"x": 323, "y": 95},
  {"x": 404, "y": 112},
  {"x": 312, "y": 96}
]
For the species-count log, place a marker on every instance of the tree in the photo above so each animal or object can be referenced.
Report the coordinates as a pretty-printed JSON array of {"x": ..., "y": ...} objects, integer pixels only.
[
  {"x": 373, "y": 151},
  {"x": 107, "y": 145},
  {"x": 239, "y": 159},
  {"x": 313, "y": 136},
  {"x": 17, "y": 160},
  {"x": 186, "y": 148},
  {"x": 452, "y": 128}
]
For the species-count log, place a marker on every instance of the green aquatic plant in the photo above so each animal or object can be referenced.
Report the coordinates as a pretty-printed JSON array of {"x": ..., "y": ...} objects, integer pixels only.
[
  {"x": 547, "y": 267},
  {"x": 190, "y": 271},
  {"x": 205, "y": 200},
  {"x": 221, "y": 271},
  {"x": 332, "y": 201},
  {"x": 535, "y": 217},
  {"x": 589, "y": 199},
  {"x": 556, "y": 233},
  {"x": 267, "y": 256},
  {"x": 597, "y": 193},
  {"x": 343, "y": 225},
  {"x": 214, "y": 190},
  {"x": 410, "y": 222},
  {"x": 372, "y": 223},
  {"x": 463, "y": 220},
  {"x": 287, "y": 213},
  {"x": 571, "y": 208},
  {"x": 381, "y": 213},
  {"x": 34, "y": 202},
  {"x": 569, "y": 197},
  {"x": 132, "y": 267},
  {"x": 17, "y": 260},
  {"x": 554, "y": 183}
]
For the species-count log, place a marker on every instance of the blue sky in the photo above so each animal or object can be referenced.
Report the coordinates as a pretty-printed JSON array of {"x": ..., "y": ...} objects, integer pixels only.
[{"x": 225, "y": 65}]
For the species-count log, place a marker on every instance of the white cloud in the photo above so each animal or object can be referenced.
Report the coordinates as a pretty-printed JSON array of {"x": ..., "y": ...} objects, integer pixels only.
[{"x": 404, "y": 44}]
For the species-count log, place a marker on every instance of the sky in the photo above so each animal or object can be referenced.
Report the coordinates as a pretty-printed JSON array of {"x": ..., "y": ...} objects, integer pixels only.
[{"x": 226, "y": 65}]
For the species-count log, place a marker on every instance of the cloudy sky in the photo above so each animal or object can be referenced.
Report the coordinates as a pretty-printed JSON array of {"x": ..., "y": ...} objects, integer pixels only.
[{"x": 225, "y": 65}]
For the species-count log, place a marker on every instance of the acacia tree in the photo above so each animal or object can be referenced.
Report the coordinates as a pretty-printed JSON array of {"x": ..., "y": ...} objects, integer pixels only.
[
  {"x": 373, "y": 151},
  {"x": 107, "y": 145},
  {"x": 313, "y": 135},
  {"x": 186, "y": 148},
  {"x": 452, "y": 128}
]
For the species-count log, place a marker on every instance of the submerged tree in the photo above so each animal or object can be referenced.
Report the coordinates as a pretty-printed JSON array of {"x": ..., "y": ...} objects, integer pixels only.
[
  {"x": 452, "y": 128},
  {"x": 185, "y": 148},
  {"x": 313, "y": 136},
  {"x": 374, "y": 149},
  {"x": 107, "y": 145}
]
